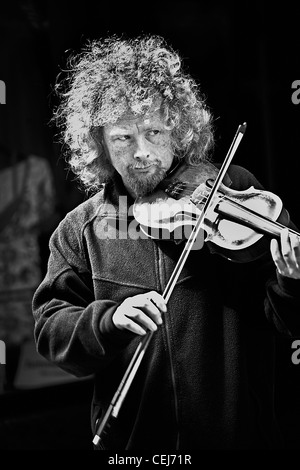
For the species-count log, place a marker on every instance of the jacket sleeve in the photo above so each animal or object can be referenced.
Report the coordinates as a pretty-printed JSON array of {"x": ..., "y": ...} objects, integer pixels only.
[{"x": 72, "y": 329}]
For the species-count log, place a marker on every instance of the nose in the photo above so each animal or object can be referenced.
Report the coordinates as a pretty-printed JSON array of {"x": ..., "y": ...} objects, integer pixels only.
[{"x": 141, "y": 150}]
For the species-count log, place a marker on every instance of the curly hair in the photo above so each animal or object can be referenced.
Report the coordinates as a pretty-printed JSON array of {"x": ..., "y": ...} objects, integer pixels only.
[{"x": 114, "y": 75}]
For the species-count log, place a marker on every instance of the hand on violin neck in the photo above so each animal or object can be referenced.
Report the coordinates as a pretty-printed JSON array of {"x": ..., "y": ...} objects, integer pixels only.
[{"x": 286, "y": 254}]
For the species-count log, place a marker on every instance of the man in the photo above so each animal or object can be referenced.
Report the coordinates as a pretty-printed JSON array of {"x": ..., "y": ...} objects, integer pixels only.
[{"x": 130, "y": 117}]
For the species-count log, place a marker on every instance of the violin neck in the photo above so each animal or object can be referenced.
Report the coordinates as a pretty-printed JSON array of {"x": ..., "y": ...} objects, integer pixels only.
[{"x": 235, "y": 212}]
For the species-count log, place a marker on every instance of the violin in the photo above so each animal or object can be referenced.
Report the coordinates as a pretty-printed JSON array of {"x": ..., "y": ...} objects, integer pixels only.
[{"x": 234, "y": 225}]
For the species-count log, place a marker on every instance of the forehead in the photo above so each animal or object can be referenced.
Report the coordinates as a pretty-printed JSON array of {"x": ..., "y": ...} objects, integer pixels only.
[{"x": 130, "y": 121}]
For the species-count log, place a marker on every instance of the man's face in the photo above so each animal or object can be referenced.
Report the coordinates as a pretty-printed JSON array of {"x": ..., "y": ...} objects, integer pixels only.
[{"x": 140, "y": 151}]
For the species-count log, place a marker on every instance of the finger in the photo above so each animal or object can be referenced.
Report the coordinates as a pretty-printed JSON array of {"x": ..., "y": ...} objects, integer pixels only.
[
  {"x": 123, "y": 322},
  {"x": 287, "y": 250},
  {"x": 159, "y": 301},
  {"x": 142, "y": 318},
  {"x": 152, "y": 304},
  {"x": 287, "y": 257},
  {"x": 152, "y": 296},
  {"x": 295, "y": 244},
  {"x": 141, "y": 310},
  {"x": 277, "y": 256}
]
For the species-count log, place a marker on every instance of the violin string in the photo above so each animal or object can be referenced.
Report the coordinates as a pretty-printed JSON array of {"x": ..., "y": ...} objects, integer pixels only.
[
  {"x": 184, "y": 192},
  {"x": 189, "y": 185},
  {"x": 225, "y": 198}
]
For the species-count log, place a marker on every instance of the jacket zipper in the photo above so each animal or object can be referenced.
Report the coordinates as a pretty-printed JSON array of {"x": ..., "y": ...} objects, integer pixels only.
[{"x": 173, "y": 379}]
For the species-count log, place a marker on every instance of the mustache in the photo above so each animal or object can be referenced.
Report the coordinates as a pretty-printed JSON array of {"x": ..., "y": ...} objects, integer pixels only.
[{"x": 145, "y": 164}]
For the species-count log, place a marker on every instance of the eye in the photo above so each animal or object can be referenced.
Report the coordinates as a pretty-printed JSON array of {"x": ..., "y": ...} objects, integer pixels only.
[
  {"x": 122, "y": 138},
  {"x": 154, "y": 132}
]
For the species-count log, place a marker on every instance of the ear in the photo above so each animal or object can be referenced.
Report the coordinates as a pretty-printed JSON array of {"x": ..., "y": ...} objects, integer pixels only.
[{"x": 105, "y": 166}]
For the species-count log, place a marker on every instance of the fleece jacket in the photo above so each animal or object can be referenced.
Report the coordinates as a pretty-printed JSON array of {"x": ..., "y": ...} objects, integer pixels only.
[{"x": 207, "y": 378}]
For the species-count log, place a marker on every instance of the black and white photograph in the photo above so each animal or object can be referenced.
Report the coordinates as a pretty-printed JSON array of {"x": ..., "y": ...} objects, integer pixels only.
[{"x": 149, "y": 229}]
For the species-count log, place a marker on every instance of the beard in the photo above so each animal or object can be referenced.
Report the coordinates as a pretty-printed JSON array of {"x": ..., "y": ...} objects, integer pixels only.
[{"x": 143, "y": 183}]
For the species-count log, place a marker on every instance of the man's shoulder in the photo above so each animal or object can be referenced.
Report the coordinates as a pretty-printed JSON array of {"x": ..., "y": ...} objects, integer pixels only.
[
  {"x": 241, "y": 178},
  {"x": 84, "y": 213},
  {"x": 88, "y": 207}
]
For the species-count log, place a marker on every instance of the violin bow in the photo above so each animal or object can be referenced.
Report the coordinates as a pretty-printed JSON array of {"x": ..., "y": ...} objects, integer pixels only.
[{"x": 119, "y": 397}]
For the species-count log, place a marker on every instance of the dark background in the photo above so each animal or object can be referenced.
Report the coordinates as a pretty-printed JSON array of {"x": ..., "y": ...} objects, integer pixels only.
[{"x": 245, "y": 57}]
